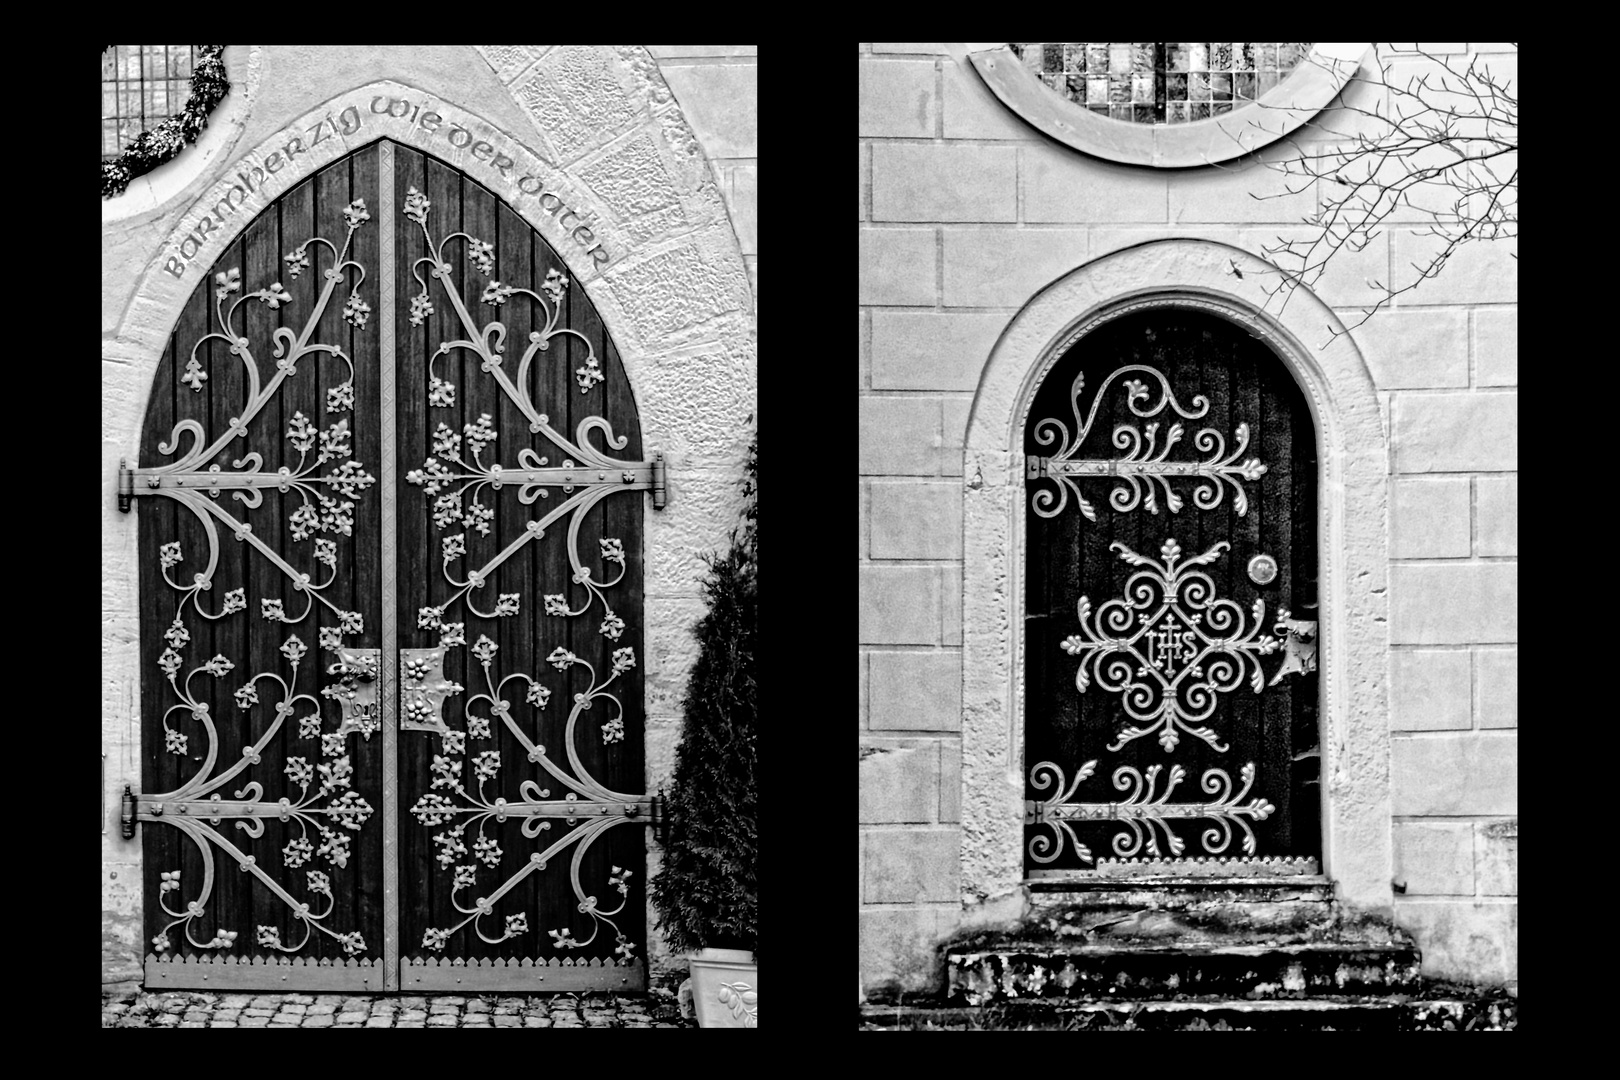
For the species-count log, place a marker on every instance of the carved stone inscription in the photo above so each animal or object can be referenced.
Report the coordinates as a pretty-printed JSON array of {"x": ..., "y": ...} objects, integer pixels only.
[{"x": 410, "y": 117}]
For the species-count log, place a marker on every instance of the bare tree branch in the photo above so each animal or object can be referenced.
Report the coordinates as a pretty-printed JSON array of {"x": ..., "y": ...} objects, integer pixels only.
[{"x": 1440, "y": 149}]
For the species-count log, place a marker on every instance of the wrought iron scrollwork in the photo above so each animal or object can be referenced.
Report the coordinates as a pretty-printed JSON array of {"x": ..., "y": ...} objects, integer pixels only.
[
  {"x": 584, "y": 477},
  {"x": 589, "y": 808},
  {"x": 1145, "y": 813},
  {"x": 1145, "y": 463},
  {"x": 327, "y": 500},
  {"x": 1170, "y": 647},
  {"x": 196, "y": 807},
  {"x": 198, "y": 811}
]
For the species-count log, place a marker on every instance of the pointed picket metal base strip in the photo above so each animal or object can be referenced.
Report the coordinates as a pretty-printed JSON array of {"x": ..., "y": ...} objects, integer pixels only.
[
  {"x": 536, "y": 976},
  {"x": 282, "y": 973}
]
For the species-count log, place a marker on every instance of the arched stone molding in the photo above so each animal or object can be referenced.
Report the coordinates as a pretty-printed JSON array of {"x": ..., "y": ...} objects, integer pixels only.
[
  {"x": 1351, "y": 530},
  {"x": 626, "y": 177}
]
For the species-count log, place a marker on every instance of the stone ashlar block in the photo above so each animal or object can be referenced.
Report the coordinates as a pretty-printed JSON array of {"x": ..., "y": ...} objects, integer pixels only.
[
  {"x": 931, "y": 350},
  {"x": 1454, "y": 775},
  {"x": 897, "y": 99},
  {"x": 1062, "y": 186},
  {"x": 1429, "y": 690},
  {"x": 1496, "y": 346},
  {"x": 721, "y": 102},
  {"x": 1430, "y": 518},
  {"x": 911, "y": 866},
  {"x": 916, "y": 520},
  {"x": 1435, "y": 857},
  {"x": 916, "y": 691},
  {"x": 899, "y": 783},
  {"x": 1484, "y": 272},
  {"x": 899, "y": 605},
  {"x": 950, "y": 782},
  {"x": 1496, "y": 695},
  {"x": 1004, "y": 267},
  {"x": 1497, "y": 500},
  {"x": 1497, "y": 851},
  {"x": 1415, "y": 349},
  {"x": 944, "y": 182},
  {"x": 972, "y": 111},
  {"x": 897, "y": 950},
  {"x": 900, "y": 436},
  {"x": 1469, "y": 941},
  {"x": 1471, "y": 432},
  {"x": 897, "y": 267},
  {"x": 1454, "y": 604},
  {"x": 954, "y": 433}
]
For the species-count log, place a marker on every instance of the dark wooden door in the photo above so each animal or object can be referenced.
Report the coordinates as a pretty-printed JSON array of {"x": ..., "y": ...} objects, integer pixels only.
[
  {"x": 1170, "y": 606},
  {"x": 520, "y": 582},
  {"x": 344, "y": 792}
]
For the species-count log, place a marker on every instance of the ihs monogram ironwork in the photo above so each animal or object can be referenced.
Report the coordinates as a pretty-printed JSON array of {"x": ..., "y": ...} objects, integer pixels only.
[
  {"x": 1141, "y": 468},
  {"x": 1142, "y": 811},
  {"x": 1171, "y": 648}
]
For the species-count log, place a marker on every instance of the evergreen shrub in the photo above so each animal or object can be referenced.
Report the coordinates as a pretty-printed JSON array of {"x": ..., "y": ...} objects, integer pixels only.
[{"x": 707, "y": 892}]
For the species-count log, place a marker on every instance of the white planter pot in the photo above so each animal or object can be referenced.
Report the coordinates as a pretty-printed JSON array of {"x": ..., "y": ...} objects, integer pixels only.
[{"x": 725, "y": 988}]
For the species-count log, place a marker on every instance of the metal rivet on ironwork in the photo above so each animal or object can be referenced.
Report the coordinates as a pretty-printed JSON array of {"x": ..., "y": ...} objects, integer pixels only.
[
  {"x": 157, "y": 810},
  {"x": 153, "y": 482},
  {"x": 627, "y": 478}
]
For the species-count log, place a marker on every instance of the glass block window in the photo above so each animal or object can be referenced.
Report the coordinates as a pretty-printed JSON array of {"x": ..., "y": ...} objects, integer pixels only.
[
  {"x": 141, "y": 86},
  {"x": 1161, "y": 82}
]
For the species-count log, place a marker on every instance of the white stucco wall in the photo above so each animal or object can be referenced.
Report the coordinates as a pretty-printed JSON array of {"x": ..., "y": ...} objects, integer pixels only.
[{"x": 663, "y": 168}]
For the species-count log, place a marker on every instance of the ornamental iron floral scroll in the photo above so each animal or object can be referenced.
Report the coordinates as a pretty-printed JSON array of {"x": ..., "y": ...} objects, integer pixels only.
[
  {"x": 197, "y": 810},
  {"x": 589, "y": 808},
  {"x": 452, "y": 477},
  {"x": 1145, "y": 464},
  {"x": 327, "y": 500},
  {"x": 456, "y": 477},
  {"x": 1142, "y": 811},
  {"x": 196, "y": 807},
  {"x": 1170, "y": 647}
]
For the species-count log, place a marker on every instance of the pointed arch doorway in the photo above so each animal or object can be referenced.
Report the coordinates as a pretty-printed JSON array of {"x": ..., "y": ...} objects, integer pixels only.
[{"x": 390, "y": 495}]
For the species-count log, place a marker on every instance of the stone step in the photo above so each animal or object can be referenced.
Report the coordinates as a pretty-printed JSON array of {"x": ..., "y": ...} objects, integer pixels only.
[
  {"x": 1015, "y": 971},
  {"x": 1488, "y": 1011}
]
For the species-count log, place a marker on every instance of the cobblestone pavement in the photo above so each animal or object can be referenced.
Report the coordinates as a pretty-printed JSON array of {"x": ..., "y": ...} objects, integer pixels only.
[{"x": 190, "y": 1009}]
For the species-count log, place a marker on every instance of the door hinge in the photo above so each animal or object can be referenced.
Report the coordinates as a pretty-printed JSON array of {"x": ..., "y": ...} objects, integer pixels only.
[
  {"x": 126, "y": 485},
  {"x": 127, "y": 813},
  {"x": 658, "y": 493}
]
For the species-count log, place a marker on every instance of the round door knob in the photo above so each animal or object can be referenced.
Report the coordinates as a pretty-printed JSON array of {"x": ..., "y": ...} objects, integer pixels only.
[{"x": 1263, "y": 569}]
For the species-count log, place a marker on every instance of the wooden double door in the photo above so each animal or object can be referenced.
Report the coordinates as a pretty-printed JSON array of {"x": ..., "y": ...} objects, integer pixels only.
[
  {"x": 390, "y": 494},
  {"x": 1170, "y": 606}
]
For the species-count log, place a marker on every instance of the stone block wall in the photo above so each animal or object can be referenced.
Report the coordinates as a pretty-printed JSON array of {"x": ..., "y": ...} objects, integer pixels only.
[{"x": 966, "y": 212}]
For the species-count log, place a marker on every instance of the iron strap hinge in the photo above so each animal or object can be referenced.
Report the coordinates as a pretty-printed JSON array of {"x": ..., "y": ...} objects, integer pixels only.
[
  {"x": 632, "y": 476},
  {"x": 1036, "y": 468},
  {"x": 126, "y": 814},
  {"x": 126, "y": 484},
  {"x": 647, "y": 810}
]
